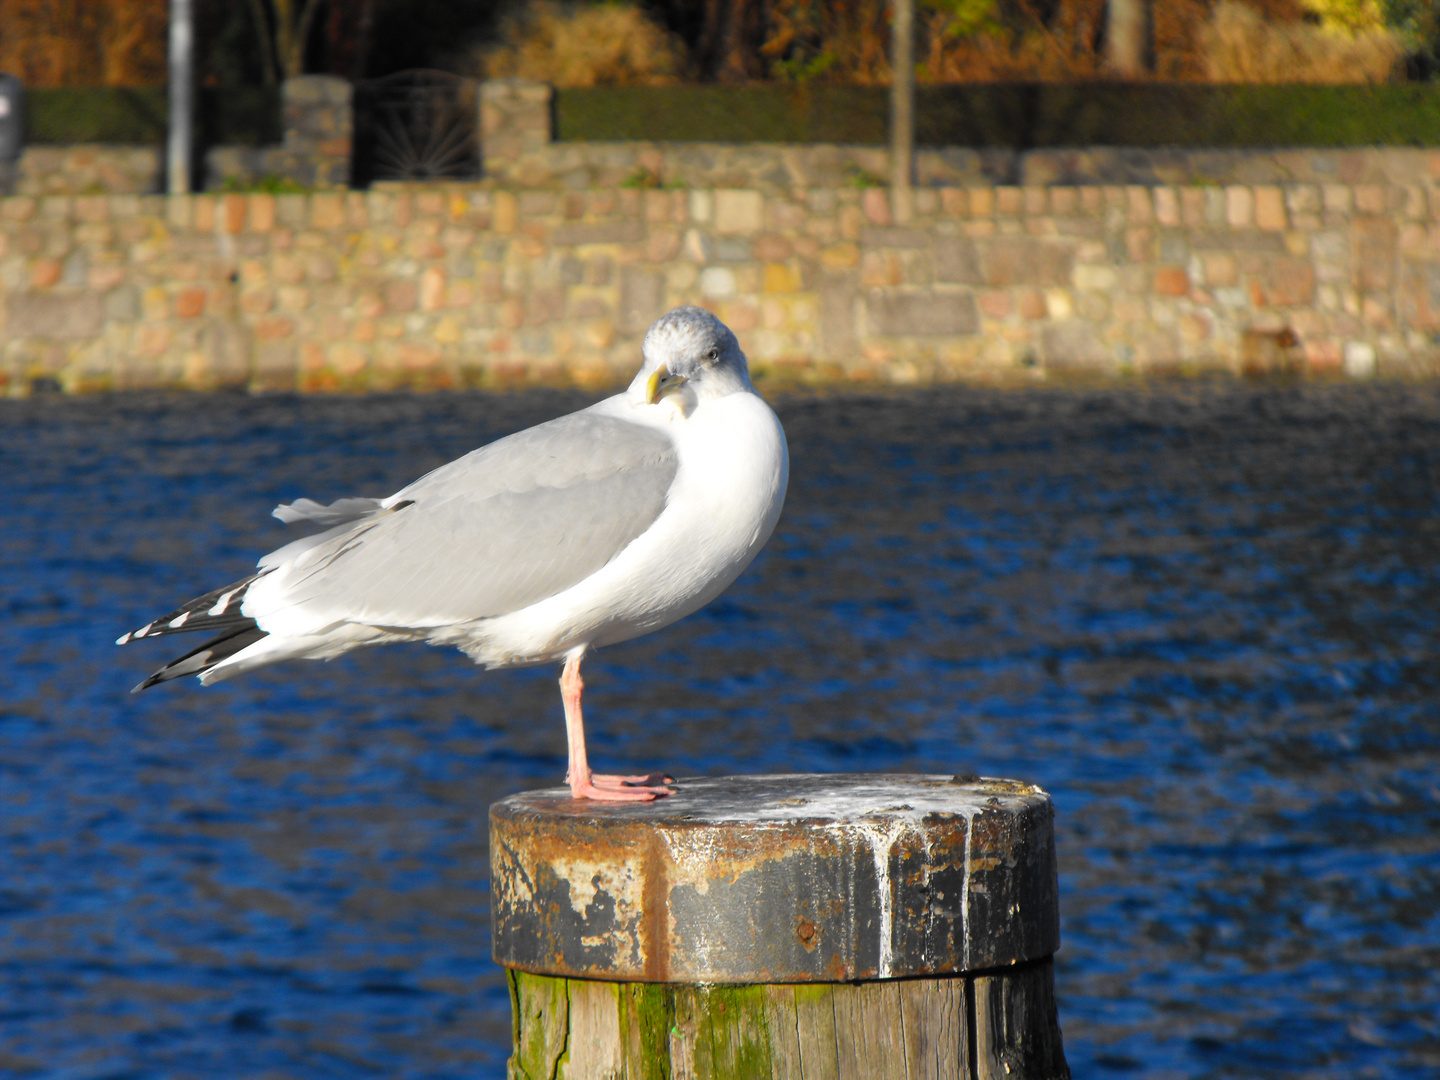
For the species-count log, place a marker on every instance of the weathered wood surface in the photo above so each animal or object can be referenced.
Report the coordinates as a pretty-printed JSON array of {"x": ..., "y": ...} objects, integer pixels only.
[
  {"x": 856, "y": 927},
  {"x": 777, "y": 879},
  {"x": 998, "y": 1025}
]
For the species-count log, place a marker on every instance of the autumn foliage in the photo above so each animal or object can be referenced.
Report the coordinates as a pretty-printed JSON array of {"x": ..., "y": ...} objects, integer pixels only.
[
  {"x": 122, "y": 42},
  {"x": 601, "y": 44},
  {"x": 84, "y": 42},
  {"x": 847, "y": 41}
]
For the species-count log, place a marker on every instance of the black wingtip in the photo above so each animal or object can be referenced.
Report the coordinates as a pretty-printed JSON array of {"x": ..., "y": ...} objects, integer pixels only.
[
  {"x": 150, "y": 681},
  {"x": 218, "y": 609},
  {"x": 156, "y": 678},
  {"x": 203, "y": 657}
]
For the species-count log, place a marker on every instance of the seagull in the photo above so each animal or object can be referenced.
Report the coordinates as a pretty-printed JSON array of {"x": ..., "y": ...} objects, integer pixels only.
[{"x": 588, "y": 530}]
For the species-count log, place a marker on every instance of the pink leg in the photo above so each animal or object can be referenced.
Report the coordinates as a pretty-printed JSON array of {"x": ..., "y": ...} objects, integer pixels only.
[{"x": 583, "y": 783}]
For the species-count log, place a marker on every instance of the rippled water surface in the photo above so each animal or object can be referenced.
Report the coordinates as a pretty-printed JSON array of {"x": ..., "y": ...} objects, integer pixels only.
[{"x": 1205, "y": 617}]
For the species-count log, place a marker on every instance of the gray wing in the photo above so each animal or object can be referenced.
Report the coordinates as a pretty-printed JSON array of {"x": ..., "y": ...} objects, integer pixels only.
[{"x": 494, "y": 531}]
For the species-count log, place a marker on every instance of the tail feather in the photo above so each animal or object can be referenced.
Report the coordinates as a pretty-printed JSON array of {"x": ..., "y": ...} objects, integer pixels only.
[
  {"x": 216, "y": 610},
  {"x": 206, "y": 656}
]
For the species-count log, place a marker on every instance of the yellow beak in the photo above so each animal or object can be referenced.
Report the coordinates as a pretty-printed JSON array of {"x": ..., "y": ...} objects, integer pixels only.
[{"x": 660, "y": 383}]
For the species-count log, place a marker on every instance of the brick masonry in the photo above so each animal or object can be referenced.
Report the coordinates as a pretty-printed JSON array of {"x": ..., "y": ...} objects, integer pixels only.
[{"x": 478, "y": 285}]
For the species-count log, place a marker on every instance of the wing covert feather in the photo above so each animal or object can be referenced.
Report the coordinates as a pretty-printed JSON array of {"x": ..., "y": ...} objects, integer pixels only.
[{"x": 503, "y": 527}]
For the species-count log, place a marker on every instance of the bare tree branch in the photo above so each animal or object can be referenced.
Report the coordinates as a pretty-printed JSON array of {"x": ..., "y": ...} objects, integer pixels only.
[
  {"x": 302, "y": 36},
  {"x": 267, "y": 45},
  {"x": 1127, "y": 37}
]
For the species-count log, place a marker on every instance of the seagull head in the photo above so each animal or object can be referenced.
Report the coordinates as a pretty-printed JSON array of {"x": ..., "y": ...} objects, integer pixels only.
[{"x": 690, "y": 351}]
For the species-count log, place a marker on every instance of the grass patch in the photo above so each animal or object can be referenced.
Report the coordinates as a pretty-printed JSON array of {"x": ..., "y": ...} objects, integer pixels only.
[{"x": 269, "y": 184}]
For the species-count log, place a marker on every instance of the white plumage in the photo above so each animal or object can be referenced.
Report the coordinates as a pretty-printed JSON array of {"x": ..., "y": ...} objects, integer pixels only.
[{"x": 589, "y": 530}]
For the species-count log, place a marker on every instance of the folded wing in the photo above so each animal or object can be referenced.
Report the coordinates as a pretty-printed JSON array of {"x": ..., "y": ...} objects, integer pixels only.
[{"x": 492, "y": 532}]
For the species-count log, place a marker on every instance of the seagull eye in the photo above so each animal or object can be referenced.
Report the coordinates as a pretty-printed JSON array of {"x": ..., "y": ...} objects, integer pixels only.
[{"x": 713, "y": 354}]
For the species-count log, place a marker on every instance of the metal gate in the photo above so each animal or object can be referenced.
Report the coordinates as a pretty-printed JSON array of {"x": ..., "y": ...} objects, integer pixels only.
[{"x": 416, "y": 125}]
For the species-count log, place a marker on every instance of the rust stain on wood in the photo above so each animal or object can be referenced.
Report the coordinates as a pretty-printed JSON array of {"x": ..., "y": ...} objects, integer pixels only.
[
  {"x": 655, "y": 918},
  {"x": 777, "y": 879}
]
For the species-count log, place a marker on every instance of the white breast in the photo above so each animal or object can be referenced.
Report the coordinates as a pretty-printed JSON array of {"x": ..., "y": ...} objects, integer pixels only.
[{"x": 726, "y": 499}]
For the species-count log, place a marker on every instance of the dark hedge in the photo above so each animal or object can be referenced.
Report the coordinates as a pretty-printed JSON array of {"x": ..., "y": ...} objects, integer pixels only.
[
  {"x": 762, "y": 113},
  {"x": 109, "y": 114},
  {"x": 1017, "y": 116}
]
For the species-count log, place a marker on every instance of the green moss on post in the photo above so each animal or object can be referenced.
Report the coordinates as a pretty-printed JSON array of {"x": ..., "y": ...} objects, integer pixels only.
[
  {"x": 585, "y": 1029},
  {"x": 540, "y": 1014},
  {"x": 651, "y": 1016}
]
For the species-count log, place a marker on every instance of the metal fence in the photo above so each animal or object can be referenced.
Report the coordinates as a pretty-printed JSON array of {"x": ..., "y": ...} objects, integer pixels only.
[{"x": 416, "y": 125}]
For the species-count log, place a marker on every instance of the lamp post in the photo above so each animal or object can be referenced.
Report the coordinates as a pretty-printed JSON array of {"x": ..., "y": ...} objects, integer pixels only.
[
  {"x": 182, "y": 96},
  {"x": 12, "y": 131},
  {"x": 902, "y": 110}
]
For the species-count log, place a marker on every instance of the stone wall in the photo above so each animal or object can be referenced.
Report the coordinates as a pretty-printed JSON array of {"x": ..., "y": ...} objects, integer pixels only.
[
  {"x": 519, "y": 154},
  {"x": 315, "y": 151},
  {"x": 781, "y": 167},
  {"x": 519, "y": 150},
  {"x": 472, "y": 285},
  {"x": 89, "y": 169}
]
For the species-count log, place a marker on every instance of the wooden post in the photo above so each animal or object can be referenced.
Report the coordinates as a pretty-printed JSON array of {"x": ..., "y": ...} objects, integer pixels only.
[{"x": 808, "y": 927}]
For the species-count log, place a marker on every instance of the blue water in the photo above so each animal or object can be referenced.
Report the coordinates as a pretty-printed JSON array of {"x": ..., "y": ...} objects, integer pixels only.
[{"x": 1205, "y": 617}]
